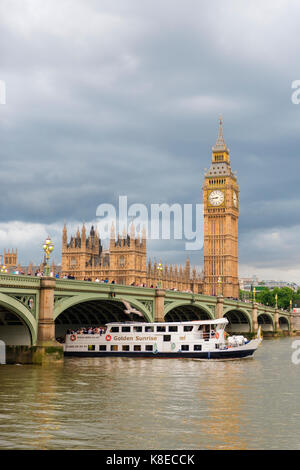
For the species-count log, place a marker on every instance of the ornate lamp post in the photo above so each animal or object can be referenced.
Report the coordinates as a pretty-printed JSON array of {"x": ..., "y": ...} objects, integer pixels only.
[
  {"x": 276, "y": 301},
  {"x": 3, "y": 269},
  {"x": 254, "y": 294},
  {"x": 48, "y": 248},
  {"x": 291, "y": 305},
  {"x": 159, "y": 269}
]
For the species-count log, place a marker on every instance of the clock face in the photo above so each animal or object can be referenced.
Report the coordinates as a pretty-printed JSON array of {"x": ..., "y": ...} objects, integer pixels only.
[
  {"x": 216, "y": 198},
  {"x": 235, "y": 199}
]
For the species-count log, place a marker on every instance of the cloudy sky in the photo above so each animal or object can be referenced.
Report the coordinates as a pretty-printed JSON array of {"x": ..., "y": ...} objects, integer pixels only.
[{"x": 122, "y": 97}]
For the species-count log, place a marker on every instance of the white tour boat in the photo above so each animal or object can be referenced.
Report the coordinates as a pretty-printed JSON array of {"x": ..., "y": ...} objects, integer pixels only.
[{"x": 203, "y": 339}]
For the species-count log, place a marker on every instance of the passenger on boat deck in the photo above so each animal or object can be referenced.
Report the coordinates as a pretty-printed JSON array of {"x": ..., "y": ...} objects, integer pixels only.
[{"x": 100, "y": 330}]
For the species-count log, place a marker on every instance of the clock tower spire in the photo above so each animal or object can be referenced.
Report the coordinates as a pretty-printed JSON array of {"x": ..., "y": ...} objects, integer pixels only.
[
  {"x": 221, "y": 211},
  {"x": 220, "y": 144}
]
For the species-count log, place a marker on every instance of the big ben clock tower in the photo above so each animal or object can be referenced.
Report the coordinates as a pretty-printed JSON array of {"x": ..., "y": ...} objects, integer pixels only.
[{"x": 221, "y": 211}]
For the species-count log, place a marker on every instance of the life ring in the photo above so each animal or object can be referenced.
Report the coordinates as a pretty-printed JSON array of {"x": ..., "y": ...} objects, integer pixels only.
[
  {"x": 73, "y": 337},
  {"x": 217, "y": 335},
  {"x": 108, "y": 337}
]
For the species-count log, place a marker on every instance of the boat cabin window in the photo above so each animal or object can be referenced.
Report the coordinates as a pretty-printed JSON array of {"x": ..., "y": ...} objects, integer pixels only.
[
  {"x": 188, "y": 327},
  {"x": 137, "y": 347},
  {"x": 149, "y": 347},
  {"x": 173, "y": 329},
  {"x": 114, "y": 347},
  {"x": 91, "y": 347},
  {"x": 125, "y": 329},
  {"x": 160, "y": 328},
  {"x": 167, "y": 337},
  {"x": 149, "y": 329},
  {"x": 197, "y": 347},
  {"x": 138, "y": 329},
  {"x": 102, "y": 347},
  {"x": 125, "y": 347},
  {"x": 185, "y": 347},
  {"x": 114, "y": 329}
]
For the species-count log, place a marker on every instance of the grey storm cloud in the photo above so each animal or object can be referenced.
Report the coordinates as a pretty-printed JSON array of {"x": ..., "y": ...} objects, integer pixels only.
[{"x": 109, "y": 98}]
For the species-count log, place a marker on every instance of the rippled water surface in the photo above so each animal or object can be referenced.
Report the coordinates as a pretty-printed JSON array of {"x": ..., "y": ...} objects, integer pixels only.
[{"x": 116, "y": 403}]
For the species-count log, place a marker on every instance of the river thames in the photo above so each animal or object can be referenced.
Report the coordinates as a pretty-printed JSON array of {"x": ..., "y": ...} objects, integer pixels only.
[{"x": 118, "y": 403}]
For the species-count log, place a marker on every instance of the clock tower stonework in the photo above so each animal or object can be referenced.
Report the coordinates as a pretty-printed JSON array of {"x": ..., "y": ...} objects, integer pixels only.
[{"x": 221, "y": 212}]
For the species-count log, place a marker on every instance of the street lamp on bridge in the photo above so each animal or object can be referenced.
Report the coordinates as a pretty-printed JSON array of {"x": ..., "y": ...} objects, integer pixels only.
[
  {"x": 159, "y": 269},
  {"x": 3, "y": 269},
  {"x": 48, "y": 248}
]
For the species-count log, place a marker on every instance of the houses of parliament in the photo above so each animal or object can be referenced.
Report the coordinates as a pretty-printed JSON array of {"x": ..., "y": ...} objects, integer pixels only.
[{"x": 125, "y": 260}]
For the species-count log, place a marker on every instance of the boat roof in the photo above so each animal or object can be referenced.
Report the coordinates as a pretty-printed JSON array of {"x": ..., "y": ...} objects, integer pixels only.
[{"x": 217, "y": 321}]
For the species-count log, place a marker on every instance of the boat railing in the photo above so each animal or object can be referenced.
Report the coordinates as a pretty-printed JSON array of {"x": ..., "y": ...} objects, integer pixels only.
[{"x": 209, "y": 335}]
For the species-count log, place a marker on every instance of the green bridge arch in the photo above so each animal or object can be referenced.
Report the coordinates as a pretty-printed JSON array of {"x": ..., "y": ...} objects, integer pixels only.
[
  {"x": 269, "y": 316},
  {"x": 186, "y": 303},
  {"x": 63, "y": 305},
  {"x": 22, "y": 312},
  {"x": 232, "y": 308},
  {"x": 287, "y": 320}
]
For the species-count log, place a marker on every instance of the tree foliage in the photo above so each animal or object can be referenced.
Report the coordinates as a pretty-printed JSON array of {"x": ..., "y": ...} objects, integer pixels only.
[{"x": 267, "y": 296}]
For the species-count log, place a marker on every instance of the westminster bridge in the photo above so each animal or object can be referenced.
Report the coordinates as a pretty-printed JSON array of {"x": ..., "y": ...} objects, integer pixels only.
[{"x": 36, "y": 310}]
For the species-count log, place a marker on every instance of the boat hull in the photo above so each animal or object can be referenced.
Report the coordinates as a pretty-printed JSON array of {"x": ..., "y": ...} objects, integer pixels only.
[{"x": 221, "y": 354}]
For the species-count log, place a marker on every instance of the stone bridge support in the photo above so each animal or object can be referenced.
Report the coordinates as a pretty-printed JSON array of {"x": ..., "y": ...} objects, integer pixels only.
[
  {"x": 159, "y": 305},
  {"x": 295, "y": 322},
  {"x": 276, "y": 320},
  {"x": 47, "y": 349},
  {"x": 254, "y": 318},
  {"x": 220, "y": 307},
  {"x": 46, "y": 325}
]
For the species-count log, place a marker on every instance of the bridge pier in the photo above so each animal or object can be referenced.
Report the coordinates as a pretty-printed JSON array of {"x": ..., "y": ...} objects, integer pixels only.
[
  {"x": 276, "y": 320},
  {"x": 295, "y": 322},
  {"x": 254, "y": 318},
  {"x": 46, "y": 325},
  {"x": 48, "y": 350},
  {"x": 159, "y": 315},
  {"x": 220, "y": 306}
]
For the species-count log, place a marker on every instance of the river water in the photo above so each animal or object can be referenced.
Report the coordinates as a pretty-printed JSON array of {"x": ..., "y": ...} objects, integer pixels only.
[{"x": 118, "y": 403}]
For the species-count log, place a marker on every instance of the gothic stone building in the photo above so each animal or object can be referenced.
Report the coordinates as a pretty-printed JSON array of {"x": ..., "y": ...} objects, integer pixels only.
[{"x": 124, "y": 262}]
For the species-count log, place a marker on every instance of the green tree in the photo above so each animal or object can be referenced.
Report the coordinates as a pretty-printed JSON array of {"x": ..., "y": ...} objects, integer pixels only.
[
  {"x": 266, "y": 297},
  {"x": 285, "y": 294},
  {"x": 244, "y": 294}
]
